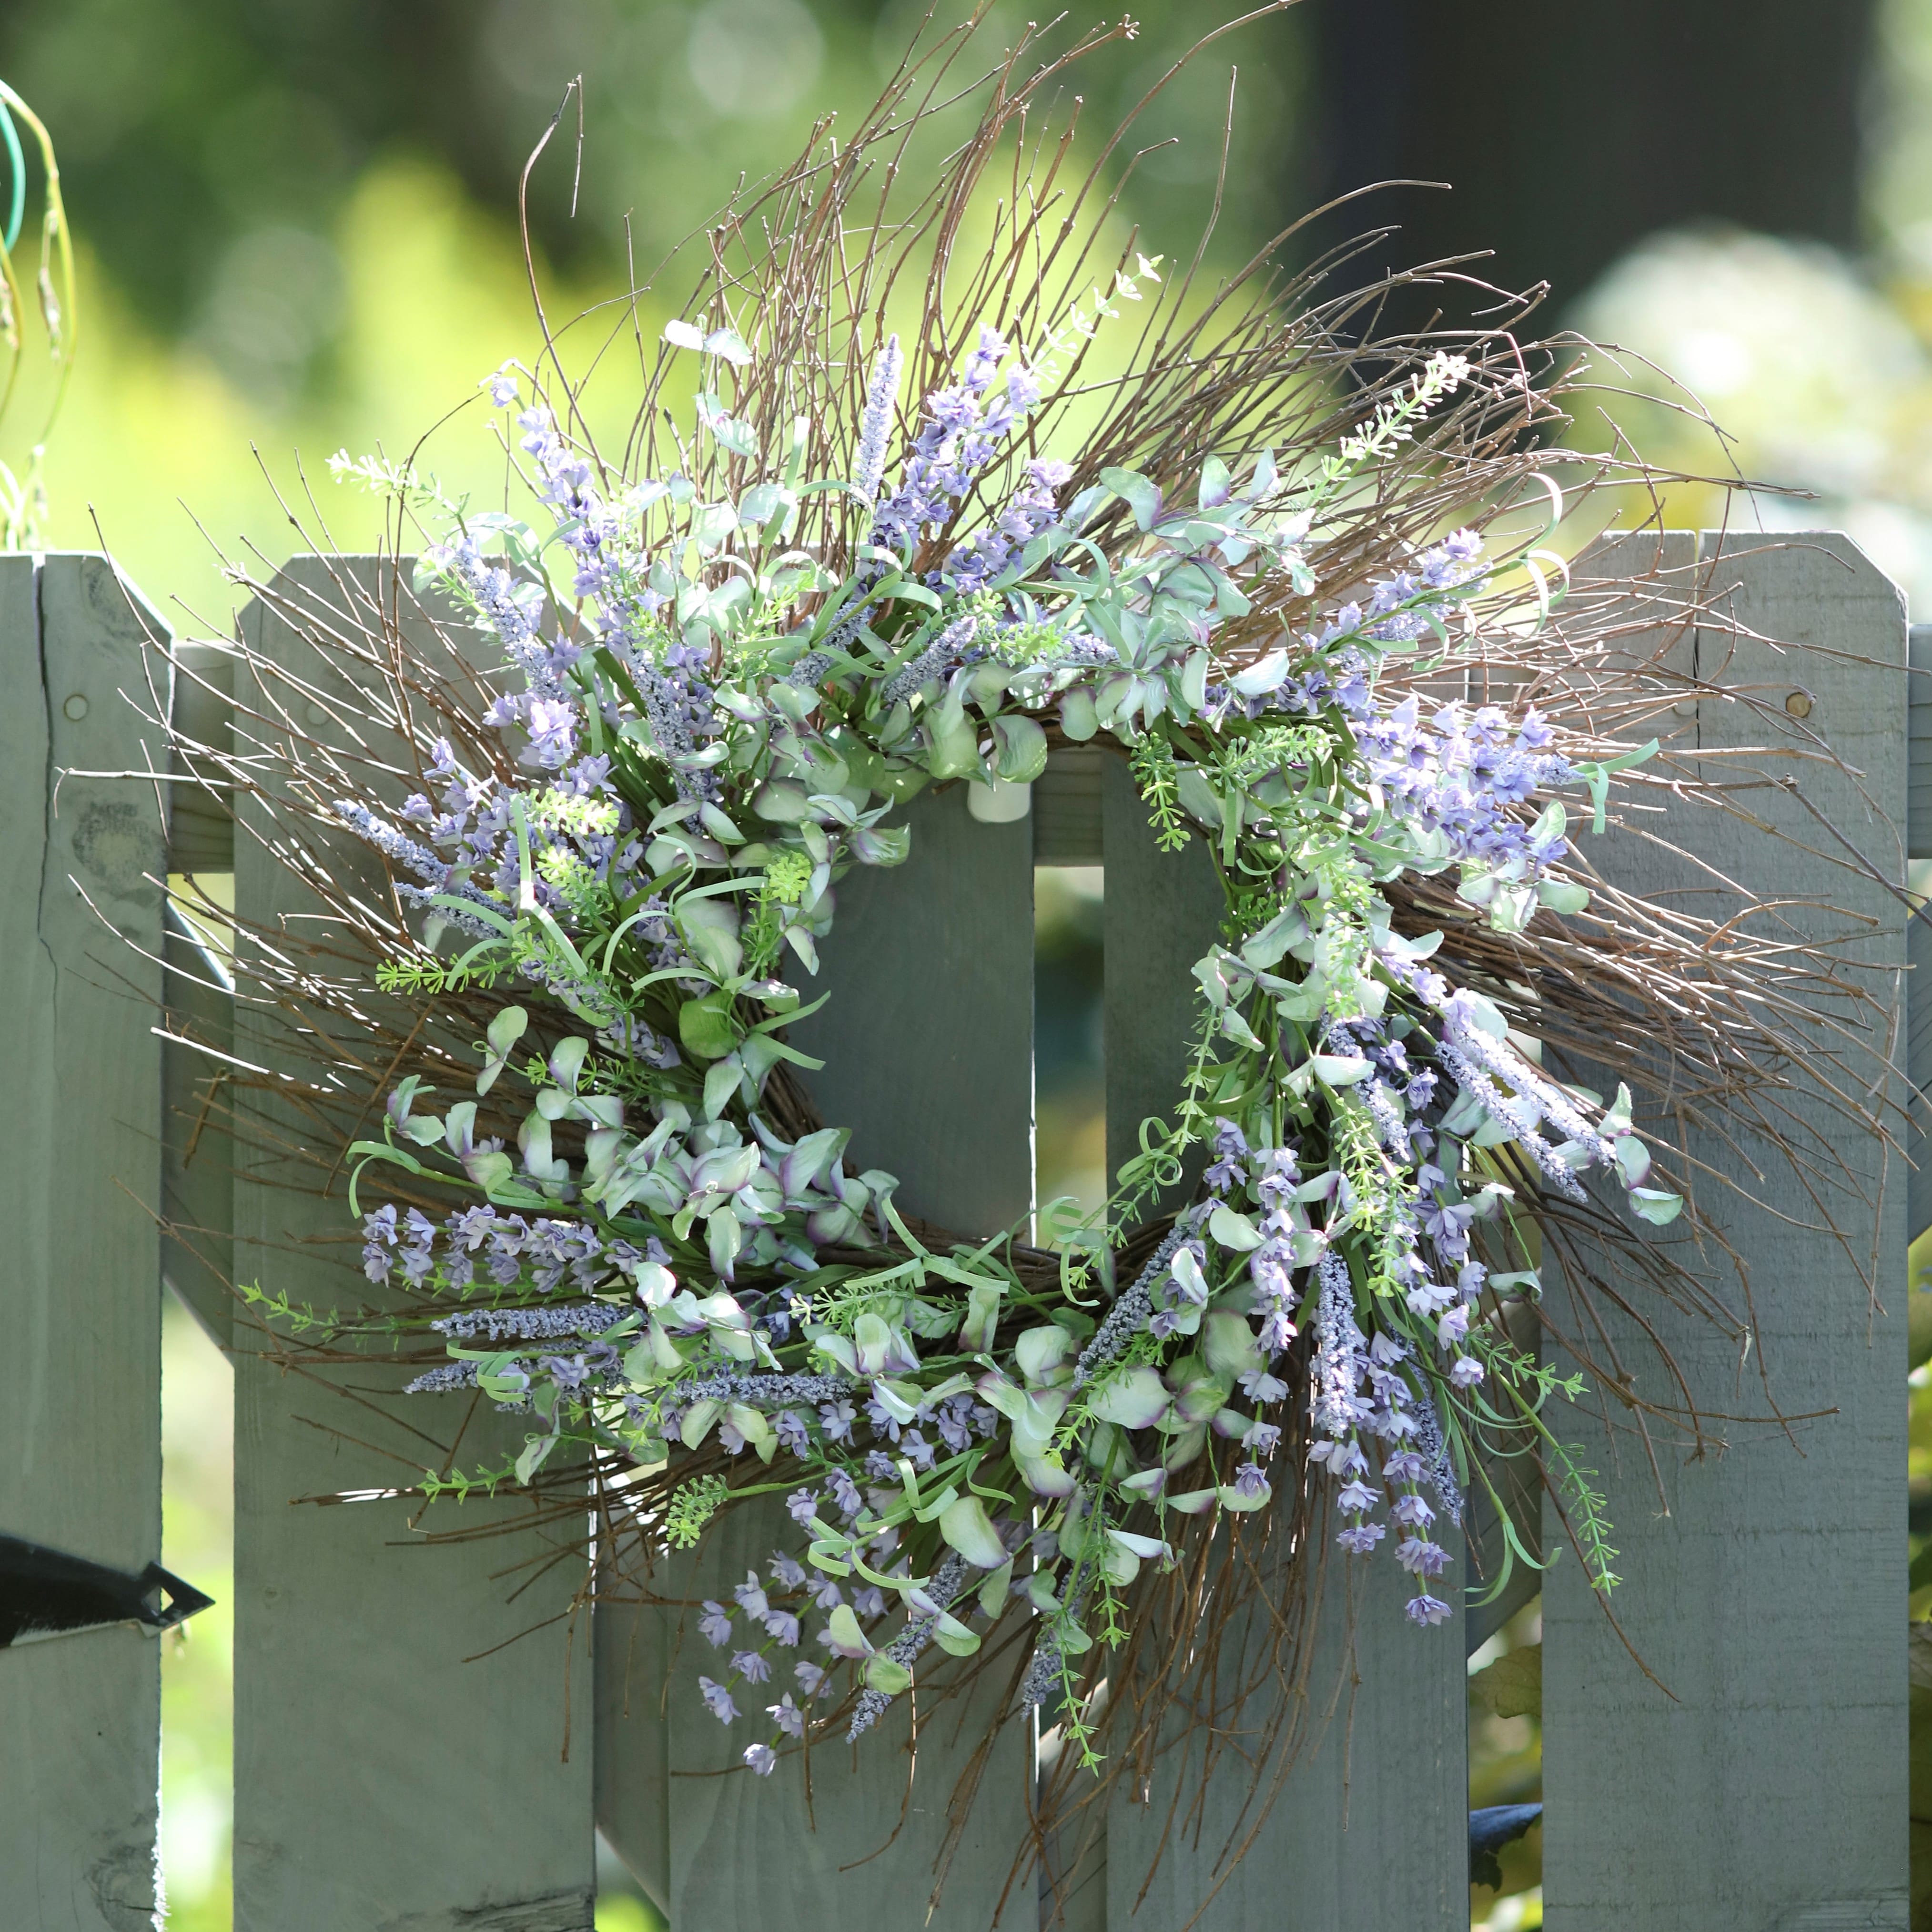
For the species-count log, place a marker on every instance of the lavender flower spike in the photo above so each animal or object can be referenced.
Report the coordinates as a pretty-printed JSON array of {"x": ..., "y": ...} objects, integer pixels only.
[{"x": 882, "y": 398}]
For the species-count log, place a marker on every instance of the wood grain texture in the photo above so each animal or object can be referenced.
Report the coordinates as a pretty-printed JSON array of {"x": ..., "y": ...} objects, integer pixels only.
[
  {"x": 80, "y": 1298},
  {"x": 1380, "y": 1717},
  {"x": 1768, "y": 1788},
  {"x": 1068, "y": 808},
  {"x": 1918, "y": 715},
  {"x": 1162, "y": 912},
  {"x": 928, "y": 1038},
  {"x": 198, "y": 1152},
  {"x": 1366, "y": 1827},
  {"x": 928, "y": 1045},
  {"x": 402, "y": 1710}
]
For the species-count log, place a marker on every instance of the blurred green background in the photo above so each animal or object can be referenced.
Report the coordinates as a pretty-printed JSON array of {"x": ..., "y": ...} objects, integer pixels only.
[{"x": 296, "y": 221}]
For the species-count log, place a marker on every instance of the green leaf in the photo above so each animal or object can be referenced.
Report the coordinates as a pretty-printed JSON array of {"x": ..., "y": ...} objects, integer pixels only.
[
  {"x": 705, "y": 1026},
  {"x": 1137, "y": 492},
  {"x": 1656, "y": 1206},
  {"x": 1512, "y": 1687}
]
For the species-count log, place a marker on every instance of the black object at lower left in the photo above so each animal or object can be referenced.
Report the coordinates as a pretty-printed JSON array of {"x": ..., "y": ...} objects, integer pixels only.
[{"x": 46, "y": 1593}]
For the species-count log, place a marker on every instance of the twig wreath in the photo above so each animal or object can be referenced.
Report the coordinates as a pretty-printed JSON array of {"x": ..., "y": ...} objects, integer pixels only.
[{"x": 912, "y": 495}]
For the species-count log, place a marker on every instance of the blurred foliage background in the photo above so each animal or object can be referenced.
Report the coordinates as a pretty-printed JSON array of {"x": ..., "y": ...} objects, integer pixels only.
[{"x": 296, "y": 226}]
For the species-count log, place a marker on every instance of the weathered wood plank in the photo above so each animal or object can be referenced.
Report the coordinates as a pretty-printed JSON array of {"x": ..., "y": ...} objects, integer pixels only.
[
  {"x": 1919, "y": 718},
  {"x": 1396, "y": 1747},
  {"x": 197, "y": 1148},
  {"x": 1768, "y": 1787},
  {"x": 80, "y": 1300},
  {"x": 928, "y": 1045},
  {"x": 1919, "y": 1069},
  {"x": 1353, "y": 1815},
  {"x": 401, "y": 1723},
  {"x": 1069, "y": 807},
  {"x": 1162, "y": 912},
  {"x": 928, "y": 1038}
]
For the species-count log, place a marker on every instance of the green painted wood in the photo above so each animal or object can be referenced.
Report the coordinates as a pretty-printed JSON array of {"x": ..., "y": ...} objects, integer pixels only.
[
  {"x": 1069, "y": 806},
  {"x": 1918, "y": 933},
  {"x": 1393, "y": 1745},
  {"x": 1163, "y": 911},
  {"x": 1768, "y": 1788},
  {"x": 80, "y": 1429},
  {"x": 401, "y": 1724},
  {"x": 1352, "y": 1814},
  {"x": 1918, "y": 715},
  {"x": 927, "y": 1044},
  {"x": 635, "y": 1643},
  {"x": 197, "y": 1148},
  {"x": 928, "y": 1038},
  {"x": 874, "y": 1835},
  {"x": 1919, "y": 1069}
]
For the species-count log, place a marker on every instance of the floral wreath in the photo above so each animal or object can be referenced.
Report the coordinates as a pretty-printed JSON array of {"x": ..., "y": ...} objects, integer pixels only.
[{"x": 1254, "y": 557}]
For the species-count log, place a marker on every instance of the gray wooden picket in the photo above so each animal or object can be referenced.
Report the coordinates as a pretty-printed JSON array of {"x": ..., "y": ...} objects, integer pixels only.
[
  {"x": 1756, "y": 1782},
  {"x": 382, "y": 1776},
  {"x": 80, "y": 1460},
  {"x": 1384, "y": 1717},
  {"x": 382, "y": 1779},
  {"x": 927, "y": 1044}
]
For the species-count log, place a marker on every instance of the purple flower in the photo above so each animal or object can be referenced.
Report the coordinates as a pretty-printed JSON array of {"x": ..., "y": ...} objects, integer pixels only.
[
  {"x": 1359, "y": 1539},
  {"x": 781, "y": 1627},
  {"x": 717, "y": 1700},
  {"x": 716, "y": 1624},
  {"x": 552, "y": 729},
  {"x": 801, "y": 1505},
  {"x": 379, "y": 1237},
  {"x": 760, "y": 1759},
  {"x": 1422, "y": 1558},
  {"x": 753, "y": 1667},
  {"x": 750, "y": 1596},
  {"x": 1466, "y": 1371},
  {"x": 788, "y": 1717},
  {"x": 1427, "y": 1610},
  {"x": 809, "y": 1675},
  {"x": 785, "y": 1569},
  {"x": 825, "y": 1592},
  {"x": 470, "y": 1228}
]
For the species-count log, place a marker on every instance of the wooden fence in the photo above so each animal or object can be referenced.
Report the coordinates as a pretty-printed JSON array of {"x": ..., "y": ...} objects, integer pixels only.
[{"x": 381, "y": 1781}]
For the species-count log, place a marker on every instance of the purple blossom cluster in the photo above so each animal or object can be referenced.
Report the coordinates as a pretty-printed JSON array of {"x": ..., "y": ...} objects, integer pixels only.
[
  {"x": 511, "y": 1250},
  {"x": 967, "y": 425},
  {"x": 1463, "y": 777},
  {"x": 476, "y": 817},
  {"x": 1357, "y": 1385}
]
